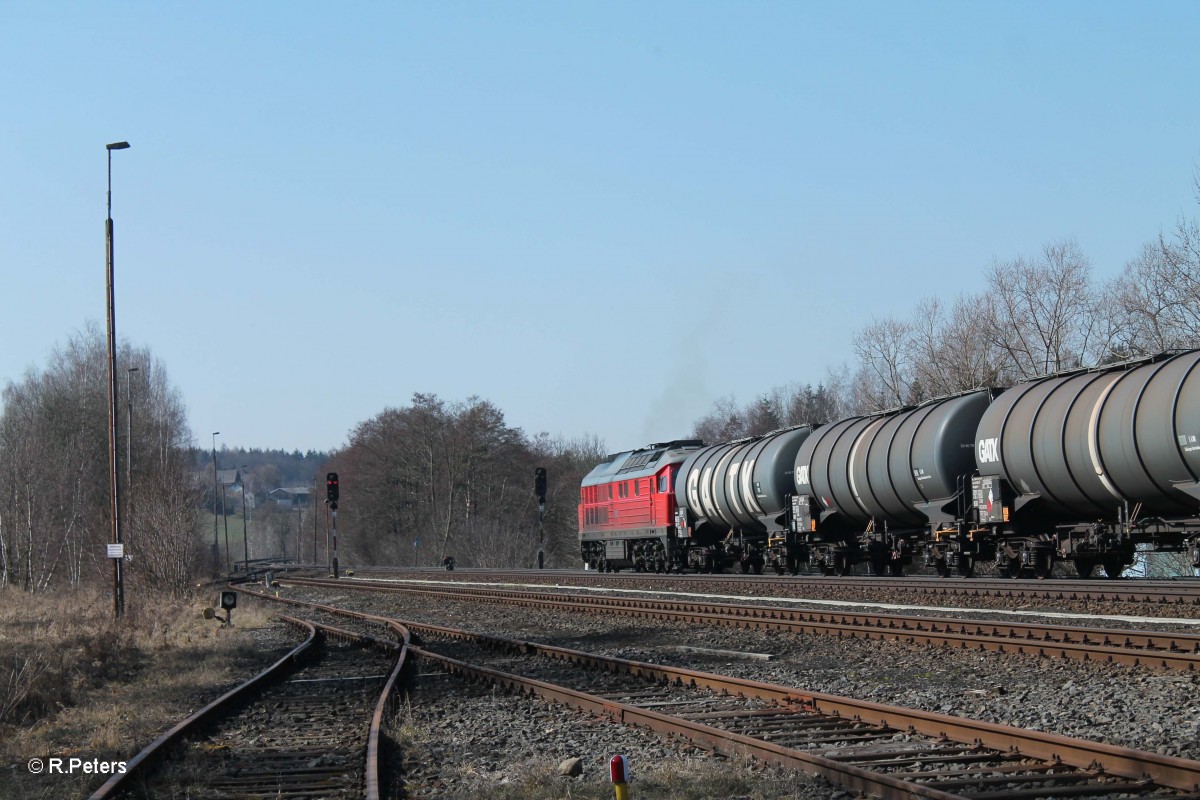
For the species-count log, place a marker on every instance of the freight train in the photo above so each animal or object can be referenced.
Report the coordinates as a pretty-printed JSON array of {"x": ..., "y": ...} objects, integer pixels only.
[{"x": 1087, "y": 466}]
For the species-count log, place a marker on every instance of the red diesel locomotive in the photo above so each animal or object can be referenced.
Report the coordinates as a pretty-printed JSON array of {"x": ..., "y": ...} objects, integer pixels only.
[{"x": 627, "y": 508}]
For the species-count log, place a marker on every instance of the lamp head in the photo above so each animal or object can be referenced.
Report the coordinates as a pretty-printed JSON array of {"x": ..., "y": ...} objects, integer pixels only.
[{"x": 117, "y": 146}]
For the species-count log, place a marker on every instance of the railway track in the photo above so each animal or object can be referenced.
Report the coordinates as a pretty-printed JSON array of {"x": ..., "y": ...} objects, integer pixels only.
[
  {"x": 881, "y": 750},
  {"x": 1182, "y": 592},
  {"x": 1160, "y": 650},
  {"x": 306, "y": 727}
]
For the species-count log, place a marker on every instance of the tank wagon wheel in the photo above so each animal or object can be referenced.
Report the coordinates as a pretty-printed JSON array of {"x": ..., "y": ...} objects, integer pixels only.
[
  {"x": 1113, "y": 566},
  {"x": 966, "y": 567},
  {"x": 1084, "y": 567},
  {"x": 841, "y": 564},
  {"x": 1012, "y": 567},
  {"x": 1043, "y": 565},
  {"x": 943, "y": 569}
]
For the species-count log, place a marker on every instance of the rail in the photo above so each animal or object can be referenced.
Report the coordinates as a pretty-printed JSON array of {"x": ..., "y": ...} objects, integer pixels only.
[{"x": 1090, "y": 759}]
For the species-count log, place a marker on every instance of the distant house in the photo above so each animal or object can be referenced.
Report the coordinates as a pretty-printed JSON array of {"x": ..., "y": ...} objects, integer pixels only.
[
  {"x": 229, "y": 477},
  {"x": 294, "y": 497},
  {"x": 234, "y": 482}
]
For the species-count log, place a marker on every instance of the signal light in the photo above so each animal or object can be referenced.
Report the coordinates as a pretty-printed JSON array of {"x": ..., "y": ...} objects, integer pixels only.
[
  {"x": 331, "y": 487},
  {"x": 539, "y": 485}
]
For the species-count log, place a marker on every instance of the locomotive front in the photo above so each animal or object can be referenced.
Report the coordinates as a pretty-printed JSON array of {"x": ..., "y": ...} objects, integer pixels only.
[{"x": 627, "y": 509}]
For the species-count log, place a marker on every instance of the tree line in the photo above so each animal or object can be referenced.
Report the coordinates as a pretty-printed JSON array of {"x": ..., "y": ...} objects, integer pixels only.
[
  {"x": 1035, "y": 315},
  {"x": 54, "y": 476},
  {"x": 436, "y": 478}
]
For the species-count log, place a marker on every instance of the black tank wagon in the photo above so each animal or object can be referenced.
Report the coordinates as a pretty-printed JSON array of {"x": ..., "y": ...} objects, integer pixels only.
[
  {"x": 1088, "y": 465},
  {"x": 733, "y": 501},
  {"x": 871, "y": 488}
]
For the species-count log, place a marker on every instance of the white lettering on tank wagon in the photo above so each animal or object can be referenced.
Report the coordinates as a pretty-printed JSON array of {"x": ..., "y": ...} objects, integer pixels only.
[
  {"x": 802, "y": 476},
  {"x": 989, "y": 450}
]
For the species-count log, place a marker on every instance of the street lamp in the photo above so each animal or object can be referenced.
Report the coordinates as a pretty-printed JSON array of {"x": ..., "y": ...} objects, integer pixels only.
[
  {"x": 245, "y": 523},
  {"x": 117, "y": 554},
  {"x": 216, "y": 551}
]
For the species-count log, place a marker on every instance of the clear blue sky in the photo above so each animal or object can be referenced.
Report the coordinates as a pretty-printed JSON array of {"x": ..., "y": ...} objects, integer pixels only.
[{"x": 599, "y": 216}]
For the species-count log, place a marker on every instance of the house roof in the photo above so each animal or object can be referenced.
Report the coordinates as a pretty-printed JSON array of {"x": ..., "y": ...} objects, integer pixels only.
[
  {"x": 229, "y": 477},
  {"x": 291, "y": 490}
]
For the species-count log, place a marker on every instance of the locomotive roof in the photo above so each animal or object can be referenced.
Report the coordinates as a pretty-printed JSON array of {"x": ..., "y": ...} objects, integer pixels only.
[{"x": 641, "y": 462}]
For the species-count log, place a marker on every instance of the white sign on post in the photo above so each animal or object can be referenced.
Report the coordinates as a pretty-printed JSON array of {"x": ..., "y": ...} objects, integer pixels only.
[{"x": 116, "y": 551}]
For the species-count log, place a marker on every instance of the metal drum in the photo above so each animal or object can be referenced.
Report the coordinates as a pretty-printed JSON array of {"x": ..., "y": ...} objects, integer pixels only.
[
  {"x": 898, "y": 468},
  {"x": 741, "y": 485},
  {"x": 1087, "y": 443}
]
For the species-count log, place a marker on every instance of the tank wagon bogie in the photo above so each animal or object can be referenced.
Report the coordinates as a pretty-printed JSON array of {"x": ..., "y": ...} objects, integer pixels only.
[{"x": 1088, "y": 466}]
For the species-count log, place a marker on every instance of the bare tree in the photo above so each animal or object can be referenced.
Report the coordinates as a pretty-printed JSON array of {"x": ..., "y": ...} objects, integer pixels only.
[
  {"x": 1157, "y": 297},
  {"x": 885, "y": 350},
  {"x": 951, "y": 349},
  {"x": 54, "y": 511},
  {"x": 1044, "y": 312},
  {"x": 724, "y": 423},
  {"x": 162, "y": 534}
]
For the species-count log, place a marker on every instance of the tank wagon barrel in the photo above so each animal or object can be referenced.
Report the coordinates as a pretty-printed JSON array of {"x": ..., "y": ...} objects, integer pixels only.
[
  {"x": 733, "y": 500},
  {"x": 1088, "y": 465}
]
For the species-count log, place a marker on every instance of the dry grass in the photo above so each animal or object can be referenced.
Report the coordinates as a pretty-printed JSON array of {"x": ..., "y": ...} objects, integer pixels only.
[{"x": 73, "y": 682}]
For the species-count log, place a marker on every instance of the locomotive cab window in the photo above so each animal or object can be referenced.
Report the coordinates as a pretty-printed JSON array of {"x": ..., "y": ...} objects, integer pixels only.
[{"x": 662, "y": 484}]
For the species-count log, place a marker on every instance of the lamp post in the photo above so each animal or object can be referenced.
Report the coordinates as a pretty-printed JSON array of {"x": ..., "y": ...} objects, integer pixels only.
[
  {"x": 245, "y": 523},
  {"x": 114, "y": 477},
  {"x": 225, "y": 516},
  {"x": 216, "y": 551}
]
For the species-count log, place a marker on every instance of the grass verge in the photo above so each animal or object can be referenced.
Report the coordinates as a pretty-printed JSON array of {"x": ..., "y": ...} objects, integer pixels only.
[{"x": 74, "y": 683}]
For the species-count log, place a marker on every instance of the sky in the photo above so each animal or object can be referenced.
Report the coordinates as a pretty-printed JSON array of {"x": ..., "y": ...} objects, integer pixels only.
[{"x": 599, "y": 216}]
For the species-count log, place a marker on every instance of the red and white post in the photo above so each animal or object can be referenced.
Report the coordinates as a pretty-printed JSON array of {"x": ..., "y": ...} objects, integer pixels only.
[{"x": 618, "y": 767}]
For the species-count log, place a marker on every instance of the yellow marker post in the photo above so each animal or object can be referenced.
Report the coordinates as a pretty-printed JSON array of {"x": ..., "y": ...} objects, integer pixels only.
[{"x": 618, "y": 768}]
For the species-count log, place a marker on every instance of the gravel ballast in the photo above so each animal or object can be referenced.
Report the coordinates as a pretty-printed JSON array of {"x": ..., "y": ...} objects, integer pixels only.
[{"x": 1125, "y": 706}]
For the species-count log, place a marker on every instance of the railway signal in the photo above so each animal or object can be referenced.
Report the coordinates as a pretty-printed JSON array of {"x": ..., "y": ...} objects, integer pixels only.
[
  {"x": 331, "y": 498},
  {"x": 539, "y": 487}
]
